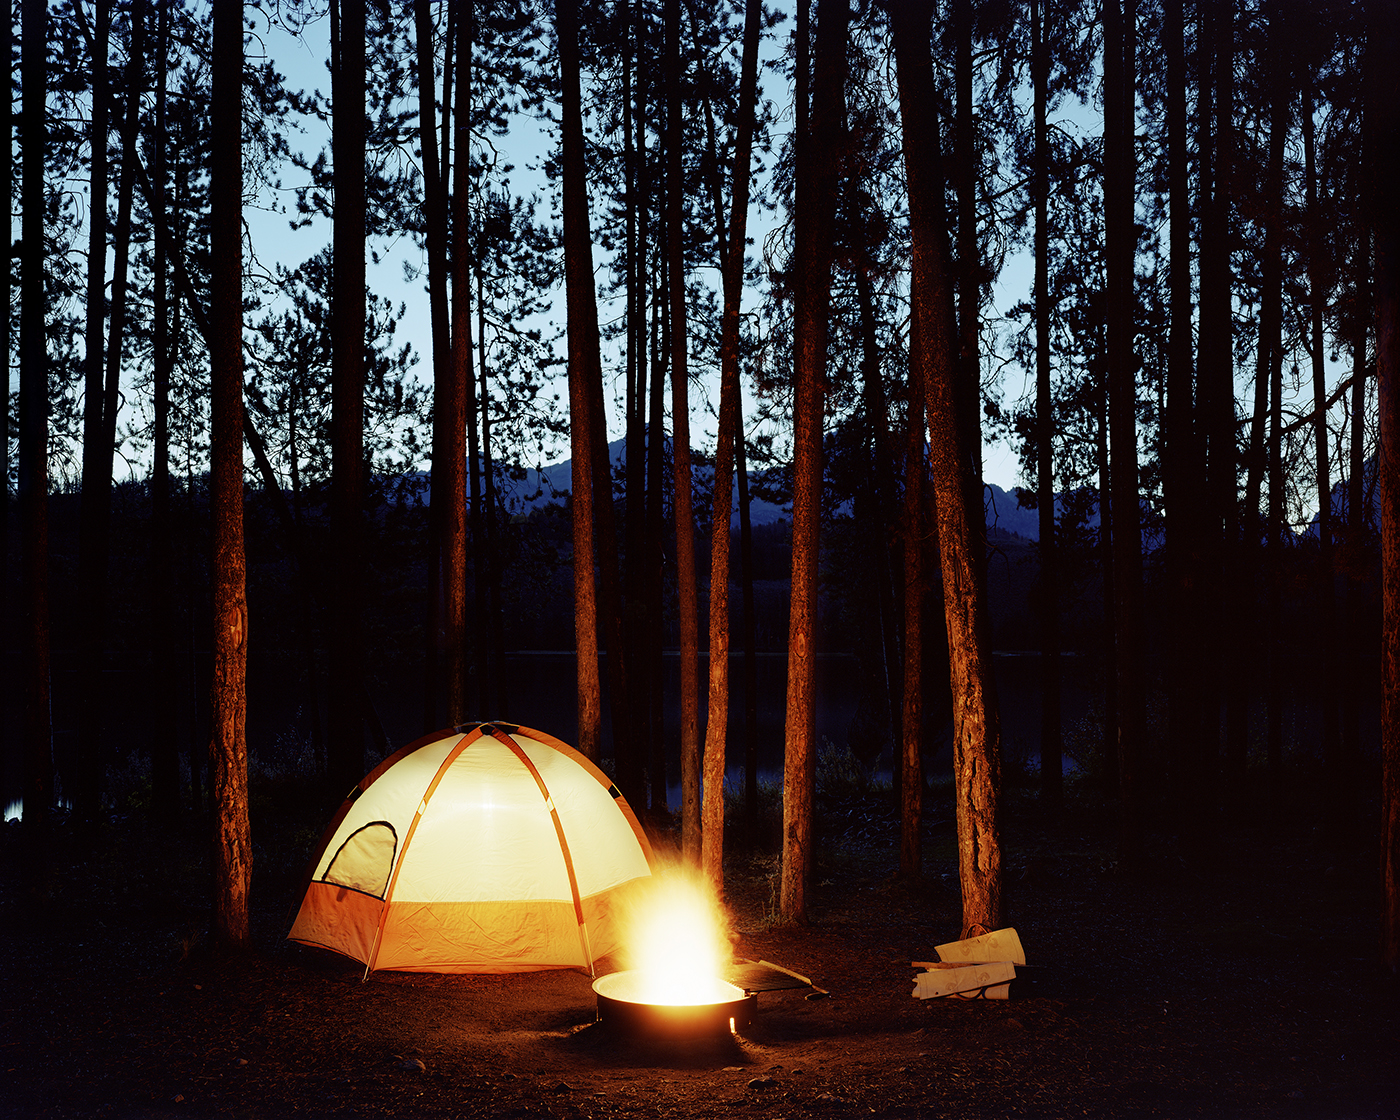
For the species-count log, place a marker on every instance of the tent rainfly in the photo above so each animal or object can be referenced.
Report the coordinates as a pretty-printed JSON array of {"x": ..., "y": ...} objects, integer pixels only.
[{"x": 485, "y": 848}]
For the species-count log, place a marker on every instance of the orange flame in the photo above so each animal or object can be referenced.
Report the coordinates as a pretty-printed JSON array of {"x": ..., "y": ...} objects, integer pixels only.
[{"x": 679, "y": 940}]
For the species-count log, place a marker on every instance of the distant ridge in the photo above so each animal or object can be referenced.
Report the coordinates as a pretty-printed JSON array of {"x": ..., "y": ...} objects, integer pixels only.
[{"x": 549, "y": 483}]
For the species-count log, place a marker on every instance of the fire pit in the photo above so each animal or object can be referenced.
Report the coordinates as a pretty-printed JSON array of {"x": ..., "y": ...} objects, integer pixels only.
[{"x": 629, "y": 1005}]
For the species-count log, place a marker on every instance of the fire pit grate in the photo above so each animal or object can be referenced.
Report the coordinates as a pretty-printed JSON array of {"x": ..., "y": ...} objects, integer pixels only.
[{"x": 764, "y": 976}]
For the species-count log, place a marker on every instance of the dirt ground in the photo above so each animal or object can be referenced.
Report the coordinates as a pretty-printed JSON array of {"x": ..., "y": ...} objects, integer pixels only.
[{"x": 1244, "y": 987}]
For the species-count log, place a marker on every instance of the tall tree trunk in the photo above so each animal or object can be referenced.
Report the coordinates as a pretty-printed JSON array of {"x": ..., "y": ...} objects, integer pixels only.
[
  {"x": 750, "y": 625},
  {"x": 1235, "y": 647},
  {"x": 228, "y": 751},
  {"x": 455, "y": 403},
  {"x": 1180, "y": 486},
  {"x": 165, "y": 758},
  {"x": 488, "y": 561},
  {"x": 656, "y": 576},
  {"x": 97, "y": 466},
  {"x": 435, "y": 238},
  {"x": 1271, "y": 343},
  {"x": 687, "y": 587},
  {"x": 637, "y": 546},
  {"x": 818, "y": 139},
  {"x": 98, "y": 502},
  {"x": 1328, "y": 680},
  {"x": 584, "y": 364},
  {"x": 346, "y": 724},
  {"x": 1357, "y": 523},
  {"x": 712, "y": 823},
  {"x": 1120, "y": 247},
  {"x": 7, "y": 600},
  {"x": 976, "y": 724},
  {"x": 33, "y": 453},
  {"x": 969, "y": 258},
  {"x": 1383, "y": 156},
  {"x": 1105, "y": 549},
  {"x": 911, "y": 784},
  {"x": 872, "y": 511},
  {"x": 1051, "y": 750},
  {"x": 477, "y": 480},
  {"x": 1213, "y": 447}
]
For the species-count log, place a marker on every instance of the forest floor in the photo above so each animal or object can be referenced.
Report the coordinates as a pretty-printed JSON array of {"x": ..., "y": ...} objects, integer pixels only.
[{"x": 1243, "y": 986}]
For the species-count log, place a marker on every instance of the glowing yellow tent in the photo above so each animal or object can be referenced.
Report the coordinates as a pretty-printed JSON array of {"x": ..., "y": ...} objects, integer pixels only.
[{"x": 486, "y": 848}]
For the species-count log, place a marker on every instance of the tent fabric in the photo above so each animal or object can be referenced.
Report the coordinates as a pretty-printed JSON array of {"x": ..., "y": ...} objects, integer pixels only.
[{"x": 486, "y": 848}]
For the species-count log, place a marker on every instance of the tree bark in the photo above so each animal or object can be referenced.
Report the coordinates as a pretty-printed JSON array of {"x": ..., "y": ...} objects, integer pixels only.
[
  {"x": 1120, "y": 241},
  {"x": 454, "y": 403},
  {"x": 1270, "y": 327},
  {"x": 911, "y": 784},
  {"x": 687, "y": 587},
  {"x": 435, "y": 241},
  {"x": 1105, "y": 550},
  {"x": 228, "y": 752},
  {"x": 1214, "y": 443},
  {"x": 7, "y": 600},
  {"x": 637, "y": 545},
  {"x": 750, "y": 627},
  {"x": 97, "y": 467},
  {"x": 1327, "y": 680},
  {"x": 1181, "y": 479},
  {"x": 583, "y": 366},
  {"x": 1382, "y": 140},
  {"x": 873, "y": 515},
  {"x": 1234, "y": 650},
  {"x": 346, "y": 724},
  {"x": 716, "y": 737},
  {"x": 1051, "y": 749},
  {"x": 33, "y": 454},
  {"x": 656, "y": 575},
  {"x": 976, "y": 724},
  {"x": 165, "y": 758},
  {"x": 495, "y": 696},
  {"x": 969, "y": 256},
  {"x": 1357, "y": 523},
  {"x": 817, "y": 139}
]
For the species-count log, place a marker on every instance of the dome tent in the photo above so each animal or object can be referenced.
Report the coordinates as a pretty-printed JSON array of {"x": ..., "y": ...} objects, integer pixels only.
[{"x": 485, "y": 848}]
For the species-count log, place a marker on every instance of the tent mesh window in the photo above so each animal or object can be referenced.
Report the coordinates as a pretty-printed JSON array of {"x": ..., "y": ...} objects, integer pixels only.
[{"x": 365, "y": 859}]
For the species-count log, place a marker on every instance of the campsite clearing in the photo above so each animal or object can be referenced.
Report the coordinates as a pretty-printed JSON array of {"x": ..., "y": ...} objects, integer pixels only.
[{"x": 1244, "y": 988}]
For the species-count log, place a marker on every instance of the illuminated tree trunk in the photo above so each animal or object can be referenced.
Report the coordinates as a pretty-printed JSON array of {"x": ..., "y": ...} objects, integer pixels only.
[
  {"x": 584, "y": 364},
  {"x": 455, "y": 401},
  {"x": 435, "y": 238},
  {"x": 687, "y": 589},
  {"x": 968, "y": 272},
  {"x": 712, "y": 847},
  {"x": 814, "y": 207},
  {"x": 976, "y": 724},
  {"x": 911, "y": 785},
  {"x": 228, "y": 752}
]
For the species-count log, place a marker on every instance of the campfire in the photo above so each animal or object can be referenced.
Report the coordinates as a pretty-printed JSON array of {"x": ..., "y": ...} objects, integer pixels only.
[{"x": 677, "y": 943}]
